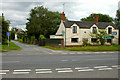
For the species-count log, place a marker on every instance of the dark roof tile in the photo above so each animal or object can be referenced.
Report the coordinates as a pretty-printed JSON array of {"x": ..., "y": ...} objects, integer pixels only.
[{"x": 88, "y": 24}]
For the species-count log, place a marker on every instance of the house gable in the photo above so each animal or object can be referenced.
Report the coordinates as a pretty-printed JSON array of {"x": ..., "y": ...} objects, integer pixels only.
[{"x": 60, "y": 29}]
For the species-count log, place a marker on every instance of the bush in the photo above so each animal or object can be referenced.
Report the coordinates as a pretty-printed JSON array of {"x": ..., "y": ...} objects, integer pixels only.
[
  {"x": 85, "y": 42},
  {"x": 41, "y": 38},
  {"x": 20, "y": 40},
  {"x": 32, "y": 39},
  {"x": 28, "y": 40}
]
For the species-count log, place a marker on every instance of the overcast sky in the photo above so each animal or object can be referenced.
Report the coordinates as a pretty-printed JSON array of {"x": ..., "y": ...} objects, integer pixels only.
[{"x": 18, "y": 10}]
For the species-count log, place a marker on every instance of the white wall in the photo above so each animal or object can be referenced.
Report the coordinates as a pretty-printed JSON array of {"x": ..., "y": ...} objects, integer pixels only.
[{"x": 81, "y": 34}]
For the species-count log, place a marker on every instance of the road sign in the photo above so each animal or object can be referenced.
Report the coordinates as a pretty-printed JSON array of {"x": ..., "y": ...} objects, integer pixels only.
[
  {"x": 114, "y": 33},
  {"x": 108, "y": 37},
  {"x": 8, "y": 33}
]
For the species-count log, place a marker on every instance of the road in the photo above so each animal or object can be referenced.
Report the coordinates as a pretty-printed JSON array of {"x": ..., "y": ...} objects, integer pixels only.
[{"x": 38, "y": 62}]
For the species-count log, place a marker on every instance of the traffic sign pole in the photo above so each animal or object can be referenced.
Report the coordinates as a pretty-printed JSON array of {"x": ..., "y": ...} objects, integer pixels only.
[
  {"x": 8, "y": 40},
  {"x": 8, "y": 34}
]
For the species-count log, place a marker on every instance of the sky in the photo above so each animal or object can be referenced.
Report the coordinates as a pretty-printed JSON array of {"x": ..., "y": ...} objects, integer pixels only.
[{"x": 17, "y": 11}]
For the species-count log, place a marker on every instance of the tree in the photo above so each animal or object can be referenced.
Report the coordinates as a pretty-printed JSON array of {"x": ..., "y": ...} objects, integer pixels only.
[
  {"x": 0, "y": 29},
  {"x": 98, "y": 35},
  {"x": 117, "y": 21},
  {"x": 42, "y": 22},
  {"x": 5, "y": 26},
  {"x": 102, "y": 18}
]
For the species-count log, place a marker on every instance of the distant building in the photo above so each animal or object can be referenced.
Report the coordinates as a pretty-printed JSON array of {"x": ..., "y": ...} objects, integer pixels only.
[
  {"x": 19, "y": 31},
  {"x": 78, "y": 31}
]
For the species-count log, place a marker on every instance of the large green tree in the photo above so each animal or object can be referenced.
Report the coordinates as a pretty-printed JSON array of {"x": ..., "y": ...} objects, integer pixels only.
[
  {"x": 42, "y": 22},
  {"x": 101, "y": 18},
  {"x": 0, "y": 29},
  {"x": 5, "y": 27}
]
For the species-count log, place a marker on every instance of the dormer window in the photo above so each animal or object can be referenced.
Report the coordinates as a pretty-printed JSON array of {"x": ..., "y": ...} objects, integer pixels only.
[
  {"x": 109, "y": 30},
  {"x": 94, "y": 29},
  {"x": 74, "y": 29}
]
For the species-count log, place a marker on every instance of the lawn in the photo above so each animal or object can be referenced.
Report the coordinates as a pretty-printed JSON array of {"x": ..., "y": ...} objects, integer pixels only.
[
  {"x": 95, "y": 48},
  {"x": 89, "y": 48},
  {"x": 12, "y": 46}
]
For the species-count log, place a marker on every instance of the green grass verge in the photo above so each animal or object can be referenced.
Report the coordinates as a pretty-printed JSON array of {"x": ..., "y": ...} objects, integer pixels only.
[
  {"x": 89, "y": 48},
  {"x": 12, "y": 46},
  {"x": 52, "y": 48},
  {"x": 95, "y": 48}
]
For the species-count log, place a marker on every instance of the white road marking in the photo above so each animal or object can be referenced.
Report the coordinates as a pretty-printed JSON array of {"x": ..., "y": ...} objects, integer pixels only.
[
  {"x": 79, "y": 53},
  {"x": 24, "y": 70},
  {"x": 81, "y": 67},
  {"x": 4, "y": 70},
  {"x": 86, "y": 70},
  {"x": 55, "y": 51},
  {"x": 64, "y": 60},
  {"x": 10, "y": 61},
  {"x": 21, "y": 72},
  {"x": 105, "y": 69},
  {"x": 42, "y": 69},
  {"x": 65, "y": 71},
  {"x": 100, "y": 66},
  {"x": 115, "y": 66},
  {"x": 44, "y": 72},
  {"x": 2, "y": 73},
  {"x": 71, "y": 53},
  {"x": 63, "y": 53}
]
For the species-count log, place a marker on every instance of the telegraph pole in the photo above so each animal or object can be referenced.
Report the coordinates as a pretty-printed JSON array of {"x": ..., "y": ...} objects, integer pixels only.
[
  {"x": 64, "y": 33},
  {"x": 119, "y": 23}
]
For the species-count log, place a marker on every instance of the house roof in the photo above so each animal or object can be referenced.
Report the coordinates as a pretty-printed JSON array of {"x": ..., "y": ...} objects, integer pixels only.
[{"x": 88, "y": 24}]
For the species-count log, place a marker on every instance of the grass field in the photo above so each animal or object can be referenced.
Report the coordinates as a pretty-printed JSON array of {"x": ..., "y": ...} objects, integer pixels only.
[
  {"x": 89, "y": 48},
  {"x": 12, "y": 46}
]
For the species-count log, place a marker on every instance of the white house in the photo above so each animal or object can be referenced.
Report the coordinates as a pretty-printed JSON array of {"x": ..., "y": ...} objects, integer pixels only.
[{"x": 74, "y": 32}]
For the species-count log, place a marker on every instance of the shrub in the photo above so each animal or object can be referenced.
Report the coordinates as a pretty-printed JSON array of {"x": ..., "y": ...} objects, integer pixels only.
[
  {"x": 85, "y": 42},
  {"x": 20, "y": 40},
  {"x": 41, "y": 38},
  {"x": 32, "y": 39}
]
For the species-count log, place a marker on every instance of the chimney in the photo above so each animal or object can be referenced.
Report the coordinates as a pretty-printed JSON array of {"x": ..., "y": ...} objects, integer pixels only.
[
  {"x": 63, "y": 17},
  {"x": 96, "y": 18}
]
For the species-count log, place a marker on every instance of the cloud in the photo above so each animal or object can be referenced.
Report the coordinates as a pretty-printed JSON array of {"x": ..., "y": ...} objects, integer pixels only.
[{"x": 18, "y": 10}]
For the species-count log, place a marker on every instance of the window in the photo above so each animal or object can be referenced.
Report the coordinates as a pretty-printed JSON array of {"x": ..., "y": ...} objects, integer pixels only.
[
  {"x": 74, "y": 29},
  {"x": 109, "y": 30},
  {"x": 94, "y": 29},
  {"x": 93, "y": 40},
  {"x": 74, "y": 39},
  {"x": 109, "y": 40}
]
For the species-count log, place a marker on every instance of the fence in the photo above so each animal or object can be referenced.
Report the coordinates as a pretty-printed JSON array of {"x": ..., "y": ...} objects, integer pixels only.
[{"x": 53, "y": 42}]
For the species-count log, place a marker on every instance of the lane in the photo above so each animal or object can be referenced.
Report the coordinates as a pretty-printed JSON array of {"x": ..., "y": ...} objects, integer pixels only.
[
  {"x": 37, "y": 62},
  {"x": 53, "y": 61}
]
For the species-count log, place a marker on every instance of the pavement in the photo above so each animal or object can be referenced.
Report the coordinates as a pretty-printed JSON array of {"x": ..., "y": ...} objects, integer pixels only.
[{"x": 38, "y": 62}]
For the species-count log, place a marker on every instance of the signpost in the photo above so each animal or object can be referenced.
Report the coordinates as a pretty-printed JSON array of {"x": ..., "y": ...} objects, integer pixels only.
[
  {"x": 8, "y": 34},
  {"x": 63, "y": 33},
  {"x": 108, "y": 37}
]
